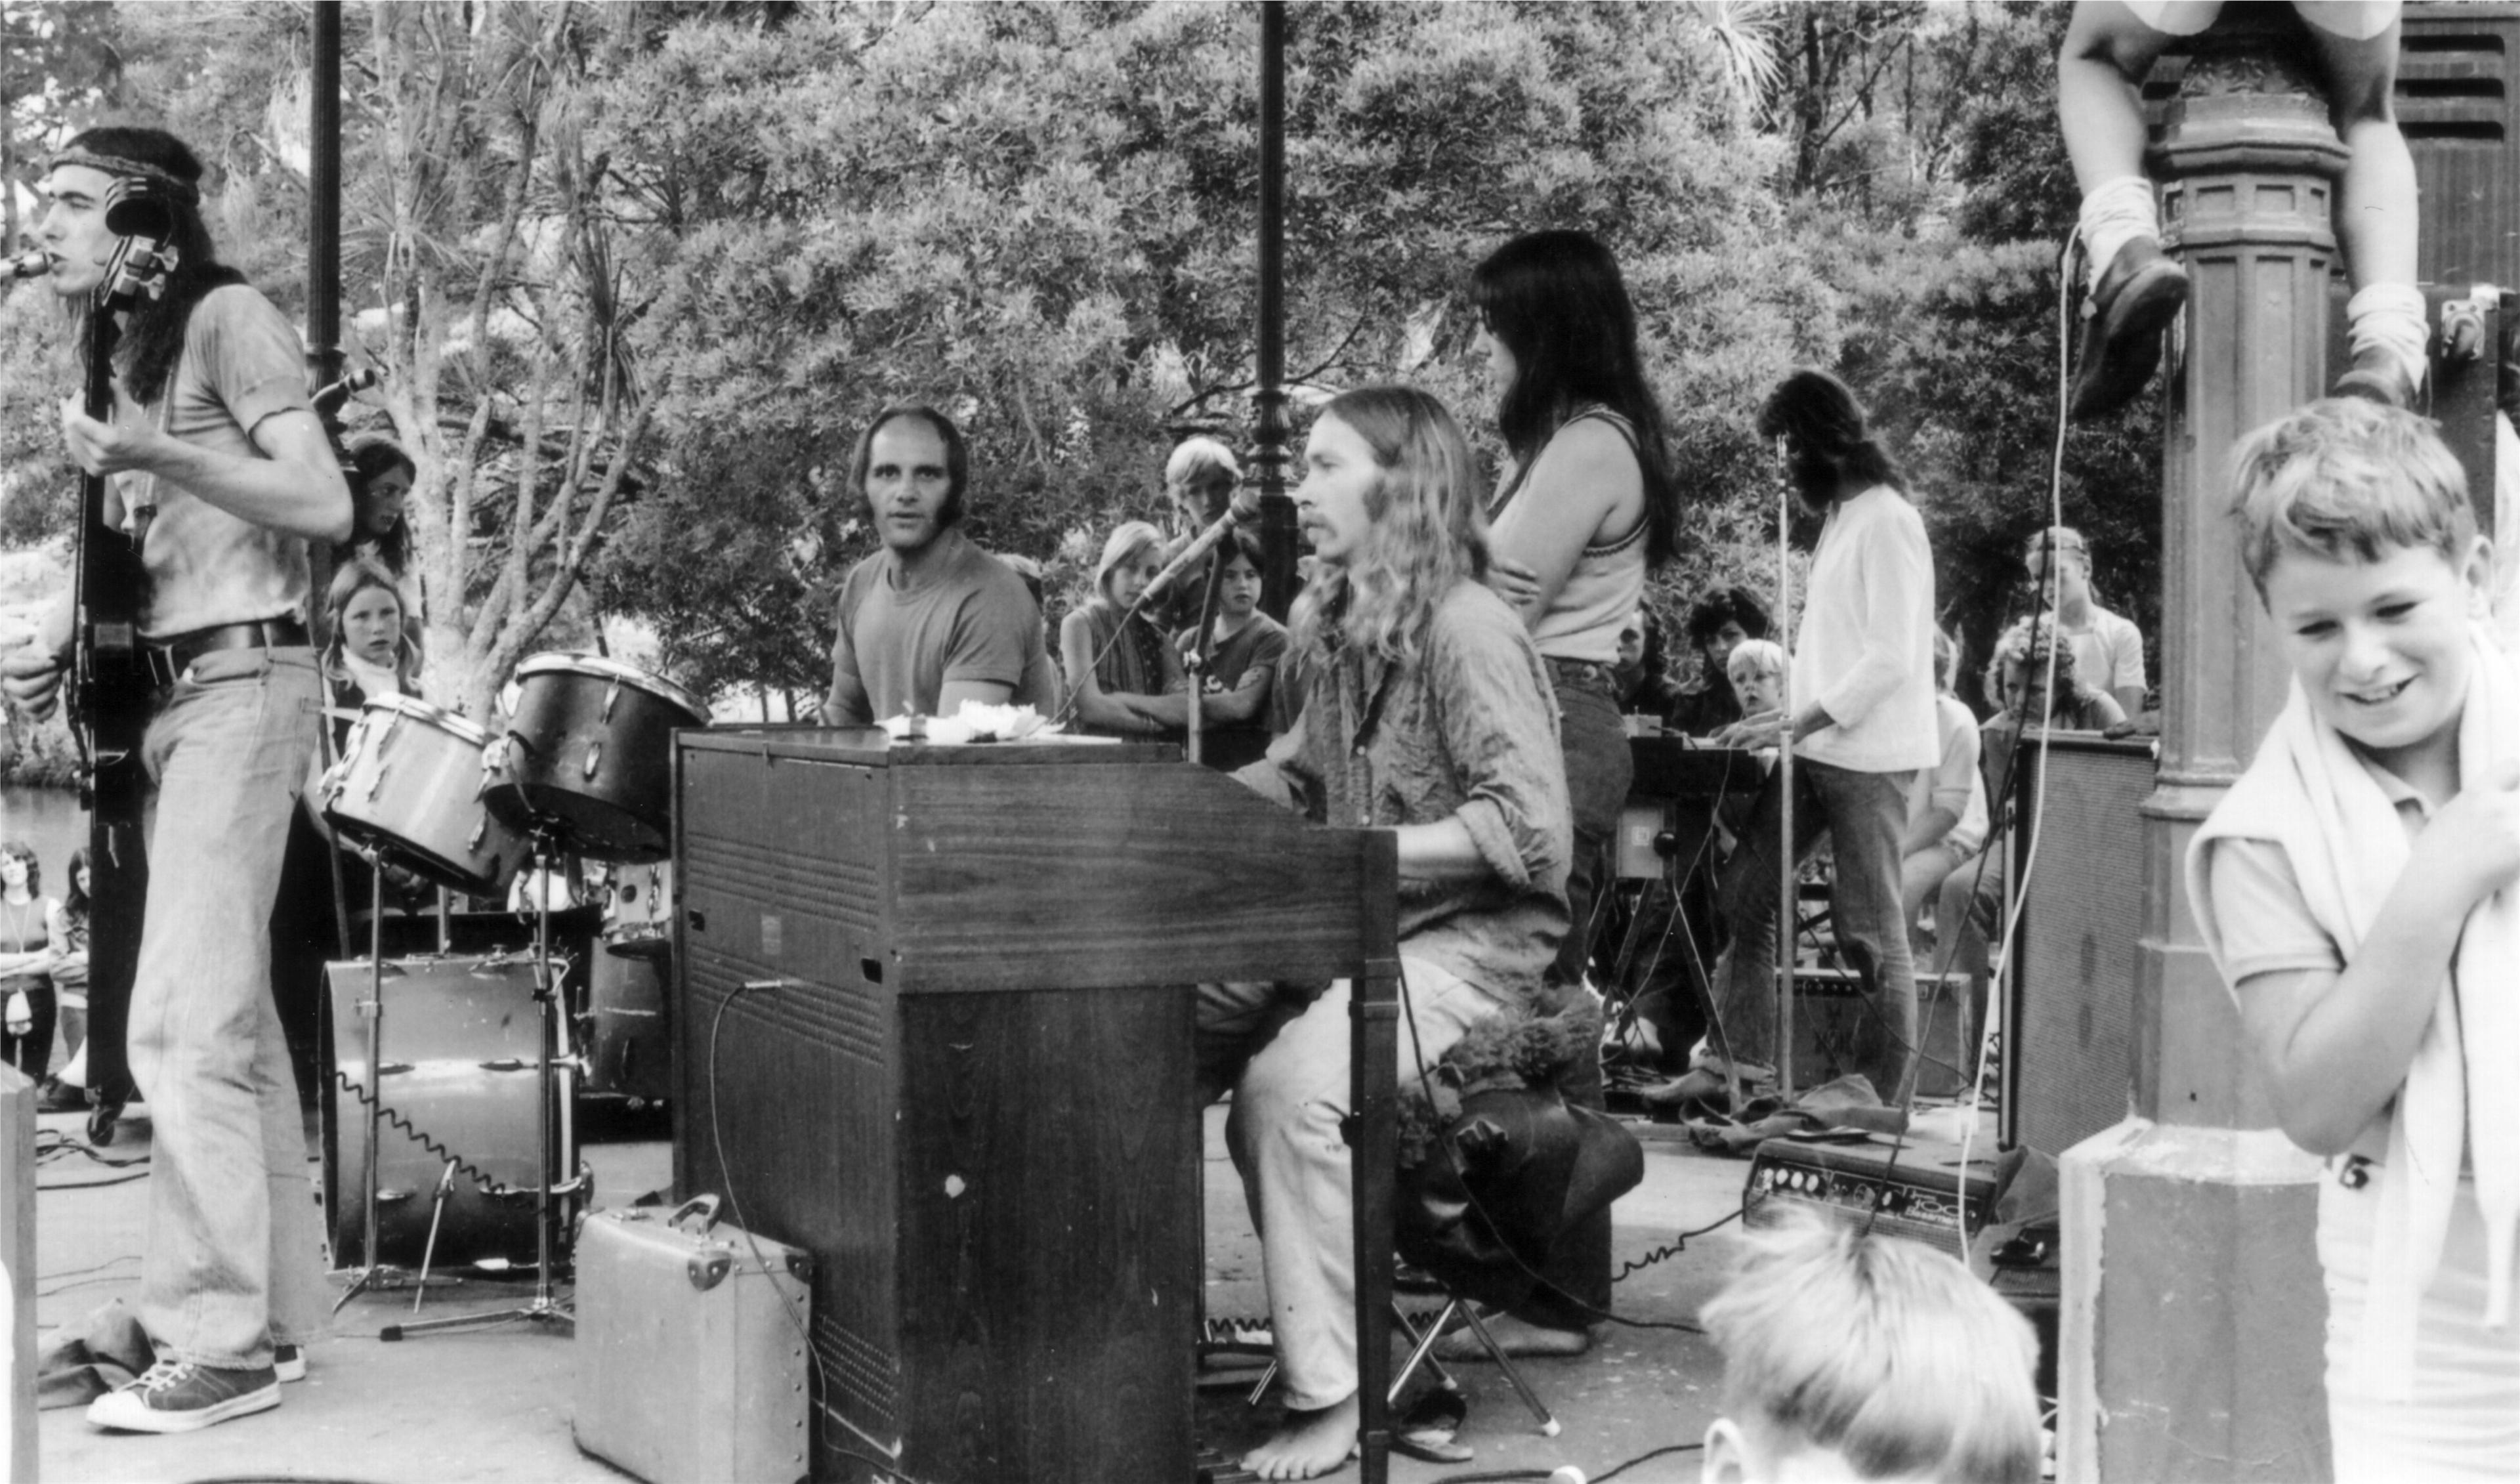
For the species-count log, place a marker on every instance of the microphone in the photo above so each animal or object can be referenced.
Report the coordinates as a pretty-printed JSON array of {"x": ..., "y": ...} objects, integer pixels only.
[
  {"x": 1246, "y": 509},
  {"x": 329, "y": 401},
  {"x": 29, "y": 265}
]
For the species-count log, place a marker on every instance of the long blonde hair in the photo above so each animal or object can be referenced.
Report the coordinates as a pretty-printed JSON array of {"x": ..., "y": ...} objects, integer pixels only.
[
  {"x": 1430, "y": 530},
  {"x": 357, "y": 576}
]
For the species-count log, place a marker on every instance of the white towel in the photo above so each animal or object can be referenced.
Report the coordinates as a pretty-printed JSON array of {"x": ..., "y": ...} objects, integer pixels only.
[{"x": 2311, "y": 795}]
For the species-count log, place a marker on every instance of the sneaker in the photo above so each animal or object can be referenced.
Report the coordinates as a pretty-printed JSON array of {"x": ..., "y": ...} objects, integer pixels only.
[
  {"x": 2122, "y": 324},
  {"x": 290, "y": 1361},
  {"x": 178, "y": 1396}
]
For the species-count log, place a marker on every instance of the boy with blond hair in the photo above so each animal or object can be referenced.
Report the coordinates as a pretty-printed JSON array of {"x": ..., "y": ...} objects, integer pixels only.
[
  {"x": 1757, "y": 669},
  {"x": 2355, "y": 888},
  {"x": 1849, "y": 1356}
]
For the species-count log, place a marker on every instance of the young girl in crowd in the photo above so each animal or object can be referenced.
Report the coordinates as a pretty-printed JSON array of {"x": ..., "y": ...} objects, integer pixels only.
[
  {"x": 66, "y": 1092},
  {"x": 27, "y": 953},
  {"x": 1105, "y": 674}
]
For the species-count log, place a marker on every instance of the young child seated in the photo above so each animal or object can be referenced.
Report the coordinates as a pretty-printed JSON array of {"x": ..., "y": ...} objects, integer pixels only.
[
  {"x": 2355, "y": 888},
  {"x": 2020, "y": 672},
  {"x": 1757, "y": 670},
  {"x": 1855, "y": 1357}
]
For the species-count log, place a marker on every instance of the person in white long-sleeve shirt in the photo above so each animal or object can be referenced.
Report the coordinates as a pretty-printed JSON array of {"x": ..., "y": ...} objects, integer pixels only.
[{"x": 1862, "y": 721}]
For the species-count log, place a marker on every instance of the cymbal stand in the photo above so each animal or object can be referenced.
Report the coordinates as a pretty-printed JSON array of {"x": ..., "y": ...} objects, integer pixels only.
[{"x": 546, "y": 1306}]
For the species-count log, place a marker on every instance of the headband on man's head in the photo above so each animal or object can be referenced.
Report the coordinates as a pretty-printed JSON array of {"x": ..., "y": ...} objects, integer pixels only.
[{"x": 121, "y": 164}]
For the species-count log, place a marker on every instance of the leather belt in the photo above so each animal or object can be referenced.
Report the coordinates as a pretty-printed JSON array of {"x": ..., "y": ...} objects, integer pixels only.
[{"x": 169, "y": 660}]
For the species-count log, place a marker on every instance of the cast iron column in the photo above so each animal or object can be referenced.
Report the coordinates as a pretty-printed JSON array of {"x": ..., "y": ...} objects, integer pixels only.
[
  {"x": 1269, "y": 433},
  {"x": 2193, "y": 1311}
]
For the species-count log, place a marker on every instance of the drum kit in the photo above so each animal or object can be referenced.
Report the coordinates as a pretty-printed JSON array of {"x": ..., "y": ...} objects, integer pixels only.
[{"x": 582, "y": 768}]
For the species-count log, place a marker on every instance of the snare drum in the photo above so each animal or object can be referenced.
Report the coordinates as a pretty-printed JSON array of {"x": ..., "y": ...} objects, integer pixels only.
[
  {"x": 590, "y": 749},
  {"x": 458, "y": 1084},
  {"x": 409, "y": 782}
]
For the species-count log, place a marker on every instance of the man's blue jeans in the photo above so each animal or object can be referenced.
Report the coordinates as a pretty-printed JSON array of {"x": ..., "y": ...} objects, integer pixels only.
[
  {"x": 235, "y": 1257},
  {"x": 1864, "y": 814}
]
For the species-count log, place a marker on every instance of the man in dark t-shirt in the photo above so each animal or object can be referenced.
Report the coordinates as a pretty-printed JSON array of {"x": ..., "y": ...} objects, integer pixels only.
[{"x": 931, "y": 621}]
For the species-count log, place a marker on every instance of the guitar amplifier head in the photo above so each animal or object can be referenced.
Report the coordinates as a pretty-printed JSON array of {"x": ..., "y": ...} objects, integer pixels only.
[{"x": 1915, "y": 1189}]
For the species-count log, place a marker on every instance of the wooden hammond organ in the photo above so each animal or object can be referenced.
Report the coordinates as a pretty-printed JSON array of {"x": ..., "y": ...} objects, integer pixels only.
[{"x": 934, "y": 1026}]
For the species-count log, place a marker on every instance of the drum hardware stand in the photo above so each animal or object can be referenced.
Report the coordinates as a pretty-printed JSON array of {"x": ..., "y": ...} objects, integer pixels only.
[
  {"x": 373, "y": 1273},
  {"x": 546, "y": 1306}
]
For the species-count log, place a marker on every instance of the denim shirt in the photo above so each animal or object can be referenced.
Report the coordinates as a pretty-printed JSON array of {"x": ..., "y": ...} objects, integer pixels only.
[{"x": 1467, "y": 732}]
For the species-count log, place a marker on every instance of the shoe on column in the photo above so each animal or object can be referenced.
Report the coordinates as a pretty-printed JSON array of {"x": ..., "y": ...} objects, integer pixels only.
[
  {"x": 2378, "y": 375},
  {"x": 2122, "y": 325}
]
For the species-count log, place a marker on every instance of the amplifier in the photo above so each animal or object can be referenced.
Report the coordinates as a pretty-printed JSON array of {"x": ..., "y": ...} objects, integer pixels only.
[
  {"x": 1914, "y": 1188},
  {"x": 1834, "y": 1025}
]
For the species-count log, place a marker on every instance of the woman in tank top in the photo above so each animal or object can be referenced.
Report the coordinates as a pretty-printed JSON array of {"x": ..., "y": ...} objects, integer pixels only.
[{"x": 1586, "y": 504}]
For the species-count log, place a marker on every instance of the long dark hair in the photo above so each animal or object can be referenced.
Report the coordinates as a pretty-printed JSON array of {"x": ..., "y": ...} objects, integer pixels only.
[
  {"x": 1826, "y": 430},
  {"x": 74, "y": 896},
  {"x": 152, "y": 339},
  {"x": 1556, "y": 301}
]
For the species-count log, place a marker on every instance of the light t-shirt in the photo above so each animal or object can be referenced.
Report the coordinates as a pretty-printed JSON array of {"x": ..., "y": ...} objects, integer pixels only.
[
  {"x": 967, "y": 618},
  {"x": 241, "y": 363},
  {"x": 2108, "y": 651},
  {"x": 1954, "y": 783}
]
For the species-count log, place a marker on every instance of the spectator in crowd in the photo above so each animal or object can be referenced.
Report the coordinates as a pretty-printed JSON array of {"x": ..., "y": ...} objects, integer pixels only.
[
  {"x": 1115, "y": 656},
  {"x": 2018, "y": 673},
  {"x": 1756, "y": 669},
  {"x": 66, "y": 1092},
  {"x": 1244, "y": 648},
  {"x": 1717, "y": 621},
  {"x": 1642, "y": 677},
  {"x": 381, "y": 478},
  {"x": 29, "y": 949},
  {"x": 1854, "y": 1356},
  {"x": 2108, "y": 650},
  {"x": 1947, "y": 803}
]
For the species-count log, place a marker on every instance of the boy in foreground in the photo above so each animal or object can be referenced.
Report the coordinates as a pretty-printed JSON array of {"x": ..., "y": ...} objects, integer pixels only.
[
  {"x": 1852, "y": 1357},
  {"x": 2355, "y": 888}
]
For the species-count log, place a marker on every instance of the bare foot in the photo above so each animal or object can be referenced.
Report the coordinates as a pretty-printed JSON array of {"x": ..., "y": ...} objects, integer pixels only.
[
  {"x": 1518, "y": 1337},
  {"x": 1309, "y": 1445}
]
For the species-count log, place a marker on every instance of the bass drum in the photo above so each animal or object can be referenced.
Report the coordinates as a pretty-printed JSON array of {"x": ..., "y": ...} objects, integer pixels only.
[
  {"x": 409, "y": 783},
  {"x": 459, "y": 1088},
  {"x": 590, "y": 749}
]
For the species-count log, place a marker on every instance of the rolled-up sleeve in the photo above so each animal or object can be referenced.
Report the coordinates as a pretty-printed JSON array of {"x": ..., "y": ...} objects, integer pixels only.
[{"x": 1499, "y": 723}]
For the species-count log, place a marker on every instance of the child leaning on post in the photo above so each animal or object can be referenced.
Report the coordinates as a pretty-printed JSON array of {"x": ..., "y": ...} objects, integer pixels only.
[{"x": 2356, "y": 890}]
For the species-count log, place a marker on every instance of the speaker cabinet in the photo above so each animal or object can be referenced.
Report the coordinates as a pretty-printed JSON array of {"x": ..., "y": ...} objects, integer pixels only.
[{"x": 2069, "y": 1006}]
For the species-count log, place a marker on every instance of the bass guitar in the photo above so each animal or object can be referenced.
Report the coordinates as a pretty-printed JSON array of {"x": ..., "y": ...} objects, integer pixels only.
[{"x": 112, "y": 693}]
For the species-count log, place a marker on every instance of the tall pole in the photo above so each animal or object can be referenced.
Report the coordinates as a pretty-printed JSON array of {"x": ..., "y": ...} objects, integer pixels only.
[
  {"x": 2192, "y": 1335},
  {"x": 1269, "y": 432},
  {"x": 324, "y": 198}
]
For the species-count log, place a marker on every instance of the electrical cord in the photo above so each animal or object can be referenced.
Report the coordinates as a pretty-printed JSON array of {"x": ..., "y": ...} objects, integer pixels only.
[{"x": 1577, "y": 1476}]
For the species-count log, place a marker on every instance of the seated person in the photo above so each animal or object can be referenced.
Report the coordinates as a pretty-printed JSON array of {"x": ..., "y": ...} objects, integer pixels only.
[
  {"x": 1244, "y": 647},
  {"x": 1642, "y": 677},
  {"x": 1757, "y": 673},
  {"x": 2108, "y": 650},
  {"x": 1430, "y": 715},
  {"x": 1947, "y": 802},
  {"x": 1114, "y": 655},
  {"x": 1717, "y": 621},
  {"x": 1849, "y": 1356},
  {"x": 2019, "y": 672}
]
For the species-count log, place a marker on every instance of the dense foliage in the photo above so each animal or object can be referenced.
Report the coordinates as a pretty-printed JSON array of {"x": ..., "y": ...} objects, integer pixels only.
[{"x": 639, "y": 272}]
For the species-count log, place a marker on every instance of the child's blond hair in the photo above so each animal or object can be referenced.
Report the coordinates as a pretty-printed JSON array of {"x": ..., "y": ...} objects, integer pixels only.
[
  {"x": 2343, "y": 478},
  {"x": 1757, "y": 657},
  {"x": 1885, "y": 1352}
]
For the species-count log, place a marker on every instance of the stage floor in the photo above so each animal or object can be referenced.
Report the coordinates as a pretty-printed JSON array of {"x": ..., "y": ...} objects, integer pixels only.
[{"x": 493, "y": 1405}]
